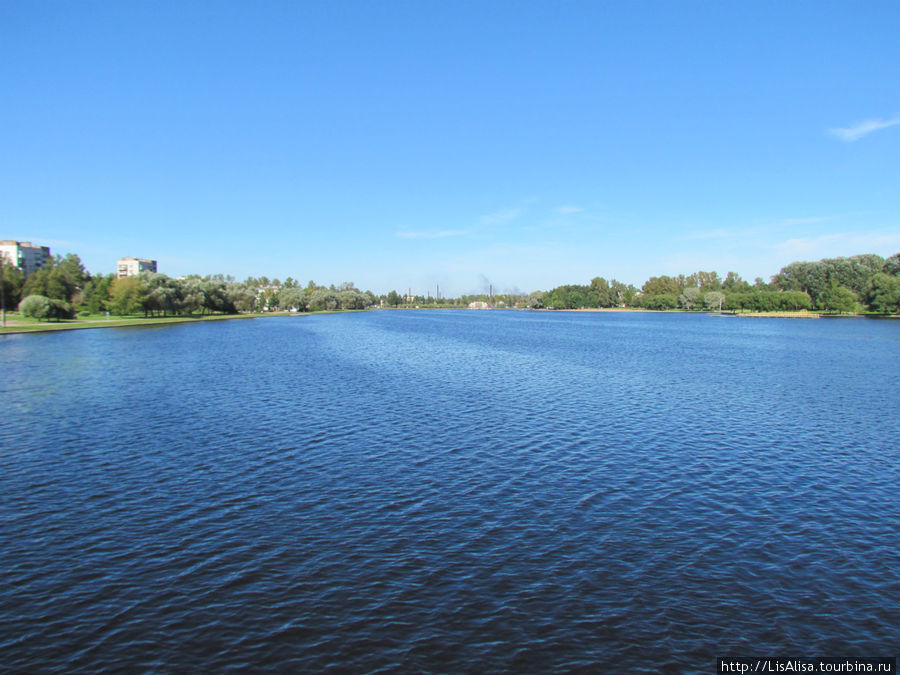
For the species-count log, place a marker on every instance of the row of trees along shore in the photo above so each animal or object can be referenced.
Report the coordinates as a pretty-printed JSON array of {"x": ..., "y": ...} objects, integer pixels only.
[
  {"x": 860, "y": 283},
  {"x": 63, "y": 288}
]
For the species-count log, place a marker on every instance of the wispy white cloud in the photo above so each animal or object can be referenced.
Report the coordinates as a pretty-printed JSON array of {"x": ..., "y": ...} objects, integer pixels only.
[
  {"x": 884, "y": 242},
  {"x": 567, "y": 209},
  {"x": 744, "y": 232},
  {"x": 863, "y": 128},
  {"x": 718, "y": 233},
  {"x": 788, "y": 222},
  {"x": 501, "y": 216},
  {"x": 439, "y": 234},
  {"x": 805, "y": 245}
]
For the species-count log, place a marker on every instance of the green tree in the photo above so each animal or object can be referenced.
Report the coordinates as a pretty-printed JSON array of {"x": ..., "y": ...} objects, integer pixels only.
[
  {"x": 60, "y": 309},
  {"x": 58, "y": 278},
  {"x": 216, "y": 297},
  {"x": 840, "y": 299},
  {"x": 269, "y": 299},
  {"x": 37, "y": 282},
  {"x": 808, "y": 277},
  {"x": 160, "y": 294},
  {"x": 243, "y": 296},
  {"x": 739, "y": 301},
  {"x": 817, "y": 278},
  {"x": 714, "y": 300},
  {"x": 734, "y": 284},
  {"x": 73, "y": 271},
  {"x": 892, "y": 265},
  {"x": 535, "y": 300},
  {"x": 353, "y": 299},
  {"x": 689, "y": 298},
  {"x": 660, "y": 301},
  {"x": 571, "y": 296},
  {"x": 791, "y": 301},
  {"x": 627, "y": 294},
  {"x": 126, "y": 296},
  {"x": 193, "y": 295},
  {"x": 35, "y": 307},
  {"x": 12, "y": 280},
  {"x": 601, "y": 290},
  {"x": 709, "y": 281},
  {"x": 323, "y": 299},
  {"x": 292, "y": 298},
  {"x": 884, "y": 294},
  {"x": 96, "y": 293},
  {"x": 662, "y": 286}
]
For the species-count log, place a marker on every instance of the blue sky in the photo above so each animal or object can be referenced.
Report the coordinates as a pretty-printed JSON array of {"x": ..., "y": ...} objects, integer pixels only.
[{"x": 407, "y": 144}]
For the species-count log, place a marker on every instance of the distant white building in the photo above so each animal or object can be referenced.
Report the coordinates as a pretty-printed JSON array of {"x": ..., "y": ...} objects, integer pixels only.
[
  {"x": 23, "y": 255},
  {"x": 479, "y": 304},
  {"x": 131, "y": 267}
]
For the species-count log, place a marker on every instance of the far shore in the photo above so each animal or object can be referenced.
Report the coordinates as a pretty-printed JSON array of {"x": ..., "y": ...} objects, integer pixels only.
[
  {"x": 16, "y": 326},
  {"x": 779, "y": 315},
  {"x": 771, "y": 315}
]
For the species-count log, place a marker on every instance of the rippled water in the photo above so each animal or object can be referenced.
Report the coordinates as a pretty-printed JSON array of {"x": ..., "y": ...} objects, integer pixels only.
[{"x": 450, "y": 492}]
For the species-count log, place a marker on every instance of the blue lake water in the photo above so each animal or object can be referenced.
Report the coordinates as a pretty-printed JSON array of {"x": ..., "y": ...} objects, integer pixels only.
[{"x": 449, "y": 492}]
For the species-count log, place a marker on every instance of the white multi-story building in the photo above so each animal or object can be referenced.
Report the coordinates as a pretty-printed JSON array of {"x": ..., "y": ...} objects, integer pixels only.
[
  {"x": 131, "y": 267},
  {"x": 23, "y": 255}
]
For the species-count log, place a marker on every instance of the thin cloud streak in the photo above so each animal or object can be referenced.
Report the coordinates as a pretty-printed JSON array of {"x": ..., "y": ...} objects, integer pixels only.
[
  {"x": 566, "y": 209},
  {"x": 719, "y": 233},
  {"x": 746, "y": 231},
  {"x": 840, "y": 243},
  {"x": 863, "y": 128},
  {"x": 502, "y": 216},
  {"x": 441, "y": 234},
  {"x": 787, "y": 222}
]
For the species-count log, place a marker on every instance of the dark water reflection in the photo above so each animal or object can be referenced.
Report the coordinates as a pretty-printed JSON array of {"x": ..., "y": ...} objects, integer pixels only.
[{"x": 449, "y": 492}]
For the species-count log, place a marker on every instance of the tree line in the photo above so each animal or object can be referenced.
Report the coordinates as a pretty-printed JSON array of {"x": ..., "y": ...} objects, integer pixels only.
[
  {"x": 848, "y": 284},
  {"x": 63, "y": 288}
]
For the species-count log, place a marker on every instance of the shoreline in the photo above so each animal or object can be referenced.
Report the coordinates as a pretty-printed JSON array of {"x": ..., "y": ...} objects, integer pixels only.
[
  {"x": 764, "y": 315},
  {"x": 771, "y": 315},
  {"x": 74, "y": 324},
  {"x": 168, "y": 321}
]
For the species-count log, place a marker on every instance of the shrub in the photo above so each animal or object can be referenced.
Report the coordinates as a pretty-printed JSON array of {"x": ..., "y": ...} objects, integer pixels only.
[
  {"x": 35, "y": 306},
  {"x": 659, "y": 301},
  {"x": 60, "y": 309}
]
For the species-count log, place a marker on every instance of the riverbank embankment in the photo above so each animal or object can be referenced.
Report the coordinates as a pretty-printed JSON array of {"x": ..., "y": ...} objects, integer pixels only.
[
  {"x": 781, "y": 315},
  {"x": 18, "y": 326}
]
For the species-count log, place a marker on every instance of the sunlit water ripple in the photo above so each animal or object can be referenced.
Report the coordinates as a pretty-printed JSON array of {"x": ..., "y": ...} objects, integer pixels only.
[{"x": 449, "y": 492}]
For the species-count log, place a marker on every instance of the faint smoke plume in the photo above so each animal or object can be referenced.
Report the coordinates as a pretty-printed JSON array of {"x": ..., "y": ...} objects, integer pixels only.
[{"x": 485, "y": 284}]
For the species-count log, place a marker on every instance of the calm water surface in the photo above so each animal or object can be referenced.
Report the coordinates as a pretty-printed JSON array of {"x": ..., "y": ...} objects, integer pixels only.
[{"x": 449, "y": 492}]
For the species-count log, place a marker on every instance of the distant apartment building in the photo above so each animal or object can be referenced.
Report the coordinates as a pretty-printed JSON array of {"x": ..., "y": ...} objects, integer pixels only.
[
  {"x": 23, "y": 255},
  {"x": 131, "y": 267}
]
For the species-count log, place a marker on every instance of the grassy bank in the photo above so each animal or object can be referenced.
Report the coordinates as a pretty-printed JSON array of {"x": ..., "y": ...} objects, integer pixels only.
[
  {"x": 803, "y": 314},
  {"x": 19, "y": 324}
]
